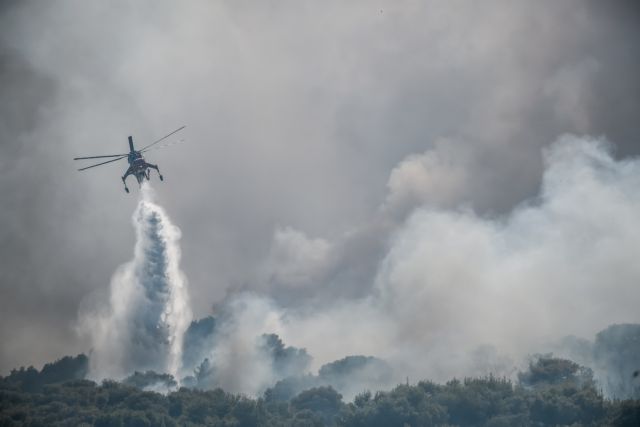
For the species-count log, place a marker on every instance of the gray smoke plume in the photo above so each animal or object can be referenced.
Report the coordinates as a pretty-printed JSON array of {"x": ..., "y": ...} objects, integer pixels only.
[
  {"x": 142, "y": 326},
  {"x": 457, "y": 293},
  {"x": 297, "y": 113},
  {"x": 453, "y": 293},
  {"x": 614, "y": 358}
]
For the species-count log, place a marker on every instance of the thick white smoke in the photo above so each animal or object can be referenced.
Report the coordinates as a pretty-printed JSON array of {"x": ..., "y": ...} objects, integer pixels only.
[
  {"x": 141, "y": 327},
  {"x": 561, "y": 264},
  {"x": 460, "y": 294},
  {"x": 453, "y": 293}
]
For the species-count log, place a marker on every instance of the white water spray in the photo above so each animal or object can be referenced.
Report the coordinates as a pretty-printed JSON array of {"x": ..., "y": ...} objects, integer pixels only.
[{"x": 143, "y": 325}]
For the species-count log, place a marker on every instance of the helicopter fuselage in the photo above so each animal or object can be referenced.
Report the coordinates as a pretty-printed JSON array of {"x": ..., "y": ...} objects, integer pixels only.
[{"x": 138, "y": 167}]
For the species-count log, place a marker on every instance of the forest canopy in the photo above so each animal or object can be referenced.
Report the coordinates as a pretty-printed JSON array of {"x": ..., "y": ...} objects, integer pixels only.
[{"x": 550, "y": 392}]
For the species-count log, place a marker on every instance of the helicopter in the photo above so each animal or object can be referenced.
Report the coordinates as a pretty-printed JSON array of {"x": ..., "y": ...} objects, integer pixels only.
[{"x": 138, "y": 167}]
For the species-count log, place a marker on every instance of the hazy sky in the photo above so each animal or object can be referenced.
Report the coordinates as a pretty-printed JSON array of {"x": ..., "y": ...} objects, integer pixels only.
[{"x": 314, "y": 130}]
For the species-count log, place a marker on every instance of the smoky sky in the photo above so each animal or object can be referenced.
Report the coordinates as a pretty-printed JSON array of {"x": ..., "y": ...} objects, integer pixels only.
[{"x": 308, "y": 126}]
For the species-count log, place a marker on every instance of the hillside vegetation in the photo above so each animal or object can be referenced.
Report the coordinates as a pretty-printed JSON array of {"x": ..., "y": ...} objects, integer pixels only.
[{"x": 553, "y": 392}]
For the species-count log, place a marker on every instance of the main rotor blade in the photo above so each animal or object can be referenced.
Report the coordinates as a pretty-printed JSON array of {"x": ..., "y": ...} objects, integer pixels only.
[
  {"x": 161, "y": 139},
  {"x": 99, "y": 157},
  {"x": 168, "y": 144},
  {"x": 103, "y": 163}
]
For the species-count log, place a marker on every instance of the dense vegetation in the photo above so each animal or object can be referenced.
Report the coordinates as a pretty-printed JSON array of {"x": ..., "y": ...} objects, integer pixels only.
[{"x": 552, "y": 392}]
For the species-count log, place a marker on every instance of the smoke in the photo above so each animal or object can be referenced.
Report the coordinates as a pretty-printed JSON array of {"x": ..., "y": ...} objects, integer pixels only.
[
  {"x": 142, "y": 325},
  {"x": 457, "y": 293},
  {"x": 296, "y": 111},
  {"x": 239, "y": 363},
  {"x": 452, "y": 293},
  {"x": 614, "y": 357}
]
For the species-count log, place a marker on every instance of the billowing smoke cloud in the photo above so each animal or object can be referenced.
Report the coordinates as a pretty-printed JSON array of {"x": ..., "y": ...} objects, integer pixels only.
[
  {"x": 461, "y": 294},
  {"x": 558, "y": 264},
  {"x": 452, "y": 293},
  {"x": 238, "y": 360},
  {"x": 142, "y": 325},
  {"x": 297, "y": 111}
]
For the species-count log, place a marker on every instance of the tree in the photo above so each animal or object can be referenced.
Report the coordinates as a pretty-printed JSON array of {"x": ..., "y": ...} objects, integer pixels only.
[{"x": 323, "y": 401}]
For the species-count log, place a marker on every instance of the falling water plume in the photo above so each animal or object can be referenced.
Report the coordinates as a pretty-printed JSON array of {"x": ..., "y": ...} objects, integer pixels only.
[{"x": 143, "y": 325}]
